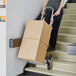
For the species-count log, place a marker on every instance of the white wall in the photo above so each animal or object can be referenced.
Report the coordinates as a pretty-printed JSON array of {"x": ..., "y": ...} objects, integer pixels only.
[
  {"x": 2, "y": 44},
  {"x": 18, "y": 12},
  {"x": 2, "y": 49}
]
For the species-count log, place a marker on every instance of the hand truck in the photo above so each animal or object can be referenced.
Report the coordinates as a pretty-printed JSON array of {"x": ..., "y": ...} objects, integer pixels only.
[{"x": 17, "y": 42}]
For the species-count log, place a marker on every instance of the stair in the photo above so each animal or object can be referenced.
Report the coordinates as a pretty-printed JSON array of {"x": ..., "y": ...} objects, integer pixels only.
[
  {"x": 68, "y": 23},
  {"x": 62, "y": 45},
  {"x": 62, "y": 55},
  {"x": 49, "y": 72},
  {"x": 72, "y": 5},
  {"x": 63, "y": 64},
  {"x": 69, "y": 17},
  {"x": 67, "y": 38},
  {"x": 68, "y": 30},
  {"x": 70, "y": 11}
]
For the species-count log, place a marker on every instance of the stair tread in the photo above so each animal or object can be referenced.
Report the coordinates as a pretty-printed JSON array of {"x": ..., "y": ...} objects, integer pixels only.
[
  {"x": 49, "y": 72},
  {"x": 61, "y": 65},
  {"x": 66, "y": 34},
  {"x": 64, "y": 62},
  {"x": 67, "y": 30},
  {"x": 64, "y": 42},
  {"x": 66, "y": 66},
  {"x": 62, "y": 55},
  {"x": 62, "y": 34},
  {"x": 61, "y": 50},
  {"x": 69, "y": 8},
  {"x": 66, "y": 37},
  {"x": 68, "y": 27},
  {"x": 60, "y": 62},
  {"x": 71, "y": 3},
  {"x": 69, "y": 14},
  {"x": 62, "y": 45},
  {"x": 69, "y": 20},
  {"x": 57, "y": 50}
]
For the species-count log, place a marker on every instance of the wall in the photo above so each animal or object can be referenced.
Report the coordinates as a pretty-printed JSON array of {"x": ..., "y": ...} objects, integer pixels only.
[
  {"x": 2, "y": 43},
  {"x": 17, "y": 14},
  {"x": 71, "y": 1},
  {"x": 2, "y": 49}
]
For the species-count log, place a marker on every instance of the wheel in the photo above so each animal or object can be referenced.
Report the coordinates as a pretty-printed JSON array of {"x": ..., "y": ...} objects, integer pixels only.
[
  {"x": 33, "y": 65},
  {"x": 48, "y": 66}
]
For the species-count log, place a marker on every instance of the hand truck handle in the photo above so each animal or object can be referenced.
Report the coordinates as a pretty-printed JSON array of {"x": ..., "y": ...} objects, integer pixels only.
[{"x": 52, "y": 15}]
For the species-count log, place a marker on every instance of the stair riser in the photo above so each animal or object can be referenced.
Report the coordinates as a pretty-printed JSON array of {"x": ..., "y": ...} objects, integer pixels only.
[
  {"x": 71, "y": 5},
  {"x": 69, "y": 11},
  {"x": 61, "y": 46},
  {"x": 64, "y": 67},
  {"x": 63, "y": 56},
  {"x": 68, "y": 31},
  {"x": 69, "y": 17},
  {"x": 68, "y": 24},
  {"x": 67, "y": 38}
]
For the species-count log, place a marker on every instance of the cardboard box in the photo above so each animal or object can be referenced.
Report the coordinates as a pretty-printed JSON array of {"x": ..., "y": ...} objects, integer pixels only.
[
  {"x": 32, "y": 50},
  {"x": 35, "y": 41},
  {"x": 37, "y": 29}
]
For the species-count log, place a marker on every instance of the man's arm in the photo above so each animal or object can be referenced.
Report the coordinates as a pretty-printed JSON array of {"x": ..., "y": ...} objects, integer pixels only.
[
  {"x": 45, "y": 3},
  {"x": 60, "y": 7}
]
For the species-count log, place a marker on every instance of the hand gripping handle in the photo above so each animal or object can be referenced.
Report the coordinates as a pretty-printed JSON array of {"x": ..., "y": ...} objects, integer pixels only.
[{"x": 52, "y": 15}]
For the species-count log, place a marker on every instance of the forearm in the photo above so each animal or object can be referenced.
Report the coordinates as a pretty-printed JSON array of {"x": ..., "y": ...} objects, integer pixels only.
[
  {"x": 45, "y": 3},
  {"x": 61, "y": 4}
]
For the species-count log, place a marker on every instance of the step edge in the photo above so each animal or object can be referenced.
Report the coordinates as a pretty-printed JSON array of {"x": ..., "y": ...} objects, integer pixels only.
[
  {"x": 63, "y": 61},
  {"x": 67, "y": 27},
  {"x": 51, "y": 73},
  {"x": 62, "y": 34},
  {"x": 57, "y": 61},
  {"x": 69, "y": 20},
  {"x": 69, "y": 8},
  {"x": 63, "y": 42},
  {"x": 69, "y": 14}
]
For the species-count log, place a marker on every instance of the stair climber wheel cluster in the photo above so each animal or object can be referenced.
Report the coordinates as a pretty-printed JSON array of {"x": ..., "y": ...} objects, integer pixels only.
[{"x": 62, "y": 64}]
